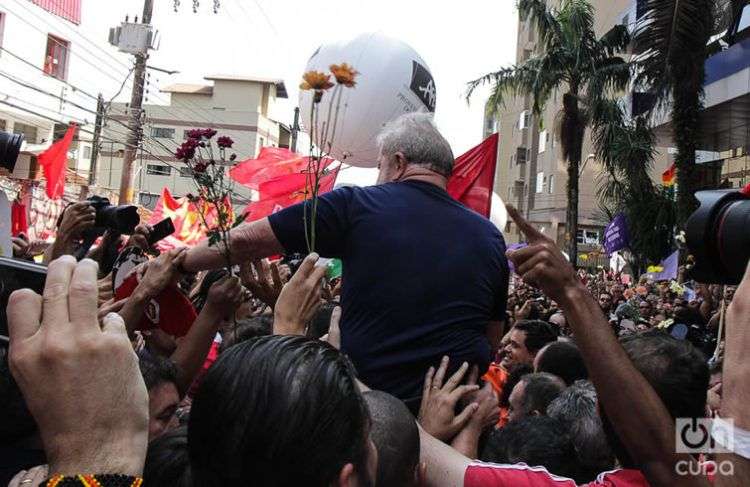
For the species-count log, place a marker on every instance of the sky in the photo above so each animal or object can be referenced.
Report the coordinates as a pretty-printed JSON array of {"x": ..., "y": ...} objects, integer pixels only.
[{"x": 459, "y": 41}]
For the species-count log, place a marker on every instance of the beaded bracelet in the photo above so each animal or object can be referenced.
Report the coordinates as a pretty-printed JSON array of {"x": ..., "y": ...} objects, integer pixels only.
[{"x": 93, "y": 481}]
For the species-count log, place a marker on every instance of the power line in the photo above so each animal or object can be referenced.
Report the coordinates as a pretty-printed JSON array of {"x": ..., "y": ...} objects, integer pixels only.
[
  {"x": 44, "y": 92},
  {"x": 240, "y": 197},
  {"x": 40, "y": 107},
  {"x": 73, "y": 87},
  {"x": 67, "y": 48}
]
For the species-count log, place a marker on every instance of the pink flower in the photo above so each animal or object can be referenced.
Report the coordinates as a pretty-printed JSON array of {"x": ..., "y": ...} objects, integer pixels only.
[
  {"x": 199, "y": 168},
  {"x": 224, "y": 142},
  {"x": 209, "y": 133}
]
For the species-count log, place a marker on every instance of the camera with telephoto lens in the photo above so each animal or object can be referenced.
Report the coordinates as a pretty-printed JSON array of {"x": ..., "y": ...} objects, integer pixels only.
[
  {"x": 122, "y": 219},
  {"x": 10, "y": 147},
  {"x": 717, "y": 236}
]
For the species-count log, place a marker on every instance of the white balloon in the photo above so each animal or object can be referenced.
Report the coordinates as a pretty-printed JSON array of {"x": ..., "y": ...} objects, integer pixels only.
[
  {"x": 393, "y": 79},
  {"x": 498, "y": 213}
]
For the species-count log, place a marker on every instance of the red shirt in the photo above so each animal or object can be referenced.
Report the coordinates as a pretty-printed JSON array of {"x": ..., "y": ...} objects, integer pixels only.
[{"x": 480, "y": 474}]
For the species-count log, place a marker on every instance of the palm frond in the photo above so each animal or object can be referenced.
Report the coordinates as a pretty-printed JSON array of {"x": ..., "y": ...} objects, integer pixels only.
[
  {"x": 545, "y": 21},
  {"x": 615, "y": 41},
  {"x": 537, "y": 76},
  {"x": 610, "y": 75},
  {"x": 576, "y": 18},
  {"x": 672, "y": 36}
]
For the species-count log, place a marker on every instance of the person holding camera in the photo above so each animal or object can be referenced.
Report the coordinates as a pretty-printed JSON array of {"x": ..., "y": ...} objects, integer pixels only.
[{"x": 77, "y": 229}]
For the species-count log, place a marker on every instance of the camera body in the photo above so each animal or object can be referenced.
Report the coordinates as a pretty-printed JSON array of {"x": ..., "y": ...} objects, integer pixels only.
[
  {"x": 10, "y": 147},
  {"x": 718, "y": 236},
  {"x": 122, "y": 219}
]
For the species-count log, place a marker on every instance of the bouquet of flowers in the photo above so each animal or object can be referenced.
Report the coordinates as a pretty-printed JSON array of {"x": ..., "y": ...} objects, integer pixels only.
[{"x": 207, "y": 165}]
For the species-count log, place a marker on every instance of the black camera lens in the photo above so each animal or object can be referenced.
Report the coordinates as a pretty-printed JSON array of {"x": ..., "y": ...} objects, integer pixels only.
[
  {"x": 10, "y": 147},
  {"x": 122, "y": 219},
  {"x": 718, "y": 236}
]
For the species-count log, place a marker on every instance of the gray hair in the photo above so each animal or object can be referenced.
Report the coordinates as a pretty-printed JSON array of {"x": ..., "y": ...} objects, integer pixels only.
[
  {"x": 416, "y": 136},
  {"x": 576, "y": 408}
]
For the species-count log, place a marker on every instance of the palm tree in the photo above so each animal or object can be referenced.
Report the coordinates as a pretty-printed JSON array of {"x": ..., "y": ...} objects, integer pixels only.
[
  {"x": 626, "y": 149},
  {"x": 570, "y": 57},
  {"x": 671, "y": 38}
]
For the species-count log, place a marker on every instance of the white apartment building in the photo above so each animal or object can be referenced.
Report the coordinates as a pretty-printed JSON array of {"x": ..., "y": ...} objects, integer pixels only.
[
  {"x": 54, "y": 61},
  {"x": 241, "y": 107}
]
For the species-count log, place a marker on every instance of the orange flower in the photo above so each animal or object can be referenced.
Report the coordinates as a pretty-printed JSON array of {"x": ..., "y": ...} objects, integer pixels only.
[
  {"x": 315, "y": 80},
  {"x": 344, "y": 74}
]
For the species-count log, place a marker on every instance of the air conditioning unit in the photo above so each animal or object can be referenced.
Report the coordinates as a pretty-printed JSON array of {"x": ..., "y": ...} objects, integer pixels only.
[
  {"x": 524, "y": 120},
  {"x": 521, "y": 153}
]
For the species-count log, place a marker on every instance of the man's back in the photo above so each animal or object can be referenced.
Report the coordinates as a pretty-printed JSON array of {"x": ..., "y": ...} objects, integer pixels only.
[{"x": 423, "y": 275}]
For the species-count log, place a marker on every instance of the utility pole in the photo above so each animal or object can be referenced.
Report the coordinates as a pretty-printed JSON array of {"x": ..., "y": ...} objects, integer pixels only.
[
  {"x": 97, "y": 137},
  {"x": 295, "y": 130},
  {"x": 135, "y": 125}
]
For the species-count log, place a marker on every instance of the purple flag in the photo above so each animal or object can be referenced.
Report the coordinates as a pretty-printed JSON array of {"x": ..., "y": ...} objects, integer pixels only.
[
  {"x": 616, "y": 234},
  {"x": 669, "y": 268},
  {"x": 516, "y": 246}
]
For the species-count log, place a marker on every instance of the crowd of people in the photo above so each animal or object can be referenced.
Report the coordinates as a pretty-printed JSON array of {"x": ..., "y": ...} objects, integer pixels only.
[{"x": 430, "y": 362}]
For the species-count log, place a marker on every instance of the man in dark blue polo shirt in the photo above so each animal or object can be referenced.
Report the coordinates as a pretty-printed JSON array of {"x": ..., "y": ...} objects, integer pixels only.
[{"x": 423, "y": 275}]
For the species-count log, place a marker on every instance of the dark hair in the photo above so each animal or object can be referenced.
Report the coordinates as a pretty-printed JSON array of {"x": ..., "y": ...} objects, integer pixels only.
[
  {"x": 167, "y": 461},
  {"x": 396, "y": 436},
  {"x": 156, "y": 369},
  {"x": 246, "y": 329},
  {"x": 538, "y": 334},
  {"x": 16, "y": 421},
  {"x": 540, "y": 389},
  {"x": 675, "y": 369},
  {"x": 515, "y": 374},
  {"x": 321, "y": 321},
  {"x": 564, "y": 360},
  {"x": 535, "y": 441},
  {"x": 278, "y": 411}
]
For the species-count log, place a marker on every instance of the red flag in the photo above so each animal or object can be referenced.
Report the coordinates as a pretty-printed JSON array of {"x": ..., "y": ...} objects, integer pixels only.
[
  {"x": 188, "y": 224},
  {"x": 18, "y": 222},
  {"x": 54, "y": 161},
  {"x": 283, "y": 185},
  {"x": 474, "y": 176},
  {"x": 271, "y": 162},
  {"x": 668, "y": 176},
  {"x": 273, "y": 203}
]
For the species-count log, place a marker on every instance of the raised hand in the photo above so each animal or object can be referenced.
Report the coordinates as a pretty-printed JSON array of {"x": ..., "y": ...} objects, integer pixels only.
[
  {"x": 333, "y": 337},
  {"x": 77, "y": 218},
  {"x": 299, "y": 299},
  {"x": 263, "y": 280},
  {"x": 161, "y": 272},
  {"x": 140, "y": 235},
  {"x": 437, "y": 413},
  {"x": 80, "y": 380},
  {"x": 225, "y": 296},
  {"x": 541, "y": 264},
  {"x": 106, "y": 291}
]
